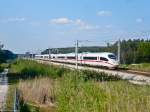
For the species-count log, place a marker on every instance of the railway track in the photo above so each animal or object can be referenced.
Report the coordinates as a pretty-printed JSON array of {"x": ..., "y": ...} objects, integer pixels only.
[
  {"x": 119, "y": 69},
  {"x": 135, "y": 77},
  {"x": 136, "y": 72}
]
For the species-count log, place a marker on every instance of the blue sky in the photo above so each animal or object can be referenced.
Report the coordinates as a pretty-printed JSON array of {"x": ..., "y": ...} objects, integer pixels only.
[{"x": 33, "y": 25}]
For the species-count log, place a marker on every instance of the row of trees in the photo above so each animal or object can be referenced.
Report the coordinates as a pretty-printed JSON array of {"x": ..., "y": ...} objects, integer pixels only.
[
  {"x": 132, "y": 51},
  {"x": 135, "y": 51},
  {"x": 5, "y": 54}
]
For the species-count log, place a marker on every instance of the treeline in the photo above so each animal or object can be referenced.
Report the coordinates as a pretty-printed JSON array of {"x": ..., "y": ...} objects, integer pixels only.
[
  {"x": 132, "y": 51},
  {"x": 135, "y": 51},
  {"x": 6, "y": 55}
]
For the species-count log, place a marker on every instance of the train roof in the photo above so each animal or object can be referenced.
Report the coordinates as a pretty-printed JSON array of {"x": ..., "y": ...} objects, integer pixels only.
[{"x": 84, "y": 53}]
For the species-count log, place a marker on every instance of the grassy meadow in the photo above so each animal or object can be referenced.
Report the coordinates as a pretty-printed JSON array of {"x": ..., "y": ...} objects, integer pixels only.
[
  {"x": 141, "y": 67},
  {"x": 50, "y": 88},
  {"x": 145, "y": 67},
  {"x": 2, "y": 66}
]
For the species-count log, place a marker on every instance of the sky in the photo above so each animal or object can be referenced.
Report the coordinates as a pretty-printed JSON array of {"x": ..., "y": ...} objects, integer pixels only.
[{"x": 34, "y": 25}]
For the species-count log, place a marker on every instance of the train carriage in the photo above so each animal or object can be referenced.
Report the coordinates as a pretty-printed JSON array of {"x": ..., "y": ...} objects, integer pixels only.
[{"x": 104, "y": 59}]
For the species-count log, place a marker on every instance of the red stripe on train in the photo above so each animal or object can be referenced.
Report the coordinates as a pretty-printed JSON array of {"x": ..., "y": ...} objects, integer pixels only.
[{"x": 90, "y": 61}]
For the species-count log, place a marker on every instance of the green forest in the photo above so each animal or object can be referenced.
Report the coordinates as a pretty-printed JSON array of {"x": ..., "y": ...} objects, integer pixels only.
[
  {"x": 132, "y": 51},
  {"x": 6, "y": 55}
]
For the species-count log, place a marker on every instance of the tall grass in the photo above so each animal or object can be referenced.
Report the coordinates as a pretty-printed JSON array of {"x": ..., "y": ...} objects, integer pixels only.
[
  {"x": 91, "y": 96},
  {"x": 82, "y": 91},
  {"x": 141, "y": 67},
  {"x": 38, "y": 92},
  {"x": 3, "y": 66},
  {"x": 1, "y": 69},
  {"x": 32, "y": 68}
]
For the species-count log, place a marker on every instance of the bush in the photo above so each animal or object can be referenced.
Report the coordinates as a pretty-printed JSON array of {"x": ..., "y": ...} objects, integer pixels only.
[
  {"x": 1, "y": 69},
  {"x": 97, "y": 76}
]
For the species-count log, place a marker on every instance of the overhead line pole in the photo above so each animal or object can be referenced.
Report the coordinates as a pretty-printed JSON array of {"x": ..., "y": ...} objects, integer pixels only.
[
  {"x": 32, "y": 55},
  {"x": 1, "y": 45},
  {"x": 49, "y": 54},
  {"x": 119, "y": 51},
  {"x": 76, "y": 53}
]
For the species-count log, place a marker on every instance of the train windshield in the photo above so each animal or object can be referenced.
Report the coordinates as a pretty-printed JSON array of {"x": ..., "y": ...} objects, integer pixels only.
[{"x": 112, "y": 56}]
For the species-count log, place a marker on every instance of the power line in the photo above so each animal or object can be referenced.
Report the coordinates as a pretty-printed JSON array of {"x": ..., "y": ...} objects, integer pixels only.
[
  {"x": 76, "y": 53},
  {"x": 1, "y": 45},
  {"x": 119, "y": 51}
]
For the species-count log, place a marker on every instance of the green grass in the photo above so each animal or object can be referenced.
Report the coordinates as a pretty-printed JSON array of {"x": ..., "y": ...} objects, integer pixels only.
[
  {"x": 10, "y": 97},
  {"x": 66, "y": 90},
  {"x": 1, "y": 69},
  {"x": 28, "y": 68},
  {"x": 141, "y": 67},
  {"x": 3, "y": 66},
  {"x": 91, "y": 96}
]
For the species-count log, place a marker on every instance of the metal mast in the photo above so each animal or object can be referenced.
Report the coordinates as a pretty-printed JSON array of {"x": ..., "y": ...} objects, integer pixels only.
[
  {"x": 76, "y": 53},
  {"x": 1, "y": 45},
  {"x": 49, "y": 52},
  {"x": 119, "y": 51}
]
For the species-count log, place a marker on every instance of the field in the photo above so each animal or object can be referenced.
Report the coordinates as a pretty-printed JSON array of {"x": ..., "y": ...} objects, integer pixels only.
[
  {"x": 141, "y": 67},
  {"x": 1, "y": 69},
  {"x": 145, "y": 67},
  {"x": 49, "y": 88}
]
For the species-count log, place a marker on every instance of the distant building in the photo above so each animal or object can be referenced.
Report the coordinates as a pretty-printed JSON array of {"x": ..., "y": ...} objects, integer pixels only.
[{"x": 26, "y": 55}]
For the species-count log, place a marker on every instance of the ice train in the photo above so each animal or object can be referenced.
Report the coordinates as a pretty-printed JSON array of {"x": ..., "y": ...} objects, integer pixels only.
[{"x": 103, "y": 59}]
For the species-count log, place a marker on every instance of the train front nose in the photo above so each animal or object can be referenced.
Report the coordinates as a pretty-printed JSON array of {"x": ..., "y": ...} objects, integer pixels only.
[{"x": 115, "y": 63}]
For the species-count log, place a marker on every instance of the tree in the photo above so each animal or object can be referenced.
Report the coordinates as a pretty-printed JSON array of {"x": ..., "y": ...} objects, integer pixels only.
[{"x": 143, "y": 52}]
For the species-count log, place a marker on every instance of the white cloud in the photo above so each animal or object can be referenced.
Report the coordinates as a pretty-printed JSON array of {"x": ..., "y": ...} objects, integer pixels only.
[
  {"x": 78, "y": 22},
  {"x": 88, "y": 27},
  {"x": 61, "y": 21},
  {"x": 104, "y": 13},
  {"x": 16, "y": 19},
  {"x": 108, "y": 26},
  {"x": 13, "y": 19},
  {"x": 35, "y": 23},
  {"x": 139, "y": 20},
  {"x": 84, "y": 26}
]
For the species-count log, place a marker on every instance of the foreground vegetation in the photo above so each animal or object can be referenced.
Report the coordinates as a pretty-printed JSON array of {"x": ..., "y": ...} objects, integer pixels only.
[
  {"x": 50, "y": 88},
  {"x": 145, "y": 67},
  {"x": 3, "y": 66},
  {"x": 1, "y": 69},
  {"x": 141, "y": 67}
]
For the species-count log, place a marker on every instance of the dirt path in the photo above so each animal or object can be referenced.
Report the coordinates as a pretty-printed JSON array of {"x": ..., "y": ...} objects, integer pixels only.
[{"x": 3, "y": 88}]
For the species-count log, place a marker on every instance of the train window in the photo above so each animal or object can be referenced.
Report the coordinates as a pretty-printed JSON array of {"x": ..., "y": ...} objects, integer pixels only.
[
  {"x": 71, "y": 57},
  {"x": 103, "y": 59},
  {"x": 61, "y": 57},
  {"x": 46, "y": 57},
  {"x": 89, "y": 58},
  {"x": 112, "y": 56},
  {"x": 80, "y": 57}
]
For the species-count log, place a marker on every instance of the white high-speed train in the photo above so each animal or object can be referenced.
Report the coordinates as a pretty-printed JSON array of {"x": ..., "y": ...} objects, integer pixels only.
[{"x": 104, "y": 59}]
